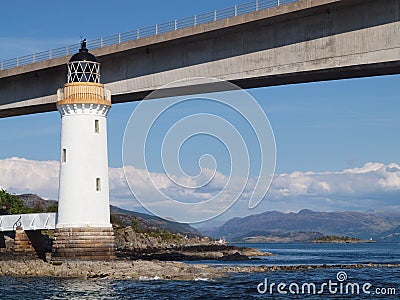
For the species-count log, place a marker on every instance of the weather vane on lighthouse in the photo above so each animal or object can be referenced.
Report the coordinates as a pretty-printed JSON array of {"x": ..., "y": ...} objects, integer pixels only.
[{"x": 83, "y": 228}]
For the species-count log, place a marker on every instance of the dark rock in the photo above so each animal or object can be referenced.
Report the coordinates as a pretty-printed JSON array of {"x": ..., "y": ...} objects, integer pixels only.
[{"x": 234, "y": 257}]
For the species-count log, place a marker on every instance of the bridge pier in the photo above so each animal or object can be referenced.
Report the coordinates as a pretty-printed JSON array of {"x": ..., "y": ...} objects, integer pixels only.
[
  {"x": 22, "y": 243},
  {"x": 29, "y": 242}
]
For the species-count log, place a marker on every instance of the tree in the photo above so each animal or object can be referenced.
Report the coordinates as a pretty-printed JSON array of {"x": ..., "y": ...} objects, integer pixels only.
[{"x": 11, "y": 204}]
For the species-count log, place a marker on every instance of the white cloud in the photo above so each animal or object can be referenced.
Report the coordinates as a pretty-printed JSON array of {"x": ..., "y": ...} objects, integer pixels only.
[
  {"x": 19, "y": 175},
  {"x": 373, "y": 186}
]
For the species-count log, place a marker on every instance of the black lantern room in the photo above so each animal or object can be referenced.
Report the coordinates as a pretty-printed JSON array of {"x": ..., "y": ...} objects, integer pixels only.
[{"x": 83, "y": 66}]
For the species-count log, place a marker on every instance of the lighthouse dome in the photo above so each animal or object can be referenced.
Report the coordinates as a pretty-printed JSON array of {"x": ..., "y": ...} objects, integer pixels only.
[
  {"x": 83, "y": 66},
  {"x": 83, "y": 54}
]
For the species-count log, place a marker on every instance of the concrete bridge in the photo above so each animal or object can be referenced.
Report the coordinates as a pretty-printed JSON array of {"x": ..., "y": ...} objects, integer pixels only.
[
  {"x": 26, "y": 230},
  {"x": 302, "y": 41},
  {"x": 28, "y": 221}
]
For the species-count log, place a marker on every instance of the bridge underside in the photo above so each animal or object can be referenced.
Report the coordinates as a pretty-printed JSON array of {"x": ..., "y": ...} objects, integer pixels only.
[{"x": 306, "y": 41}]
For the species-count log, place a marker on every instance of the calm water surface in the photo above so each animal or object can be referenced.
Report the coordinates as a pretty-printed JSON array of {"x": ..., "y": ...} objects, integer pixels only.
[{"x": 237, "y": 286}]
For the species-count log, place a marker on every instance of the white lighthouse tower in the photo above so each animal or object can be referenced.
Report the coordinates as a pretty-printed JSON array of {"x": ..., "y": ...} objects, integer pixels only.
[{"x": 83, "y": 229}]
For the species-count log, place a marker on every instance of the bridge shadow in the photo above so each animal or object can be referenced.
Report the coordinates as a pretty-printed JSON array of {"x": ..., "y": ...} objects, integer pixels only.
[
  {"x": 37, "y": 242},
  {"x": 2, "y": 241},
  {"x": 31, "y": 243}
]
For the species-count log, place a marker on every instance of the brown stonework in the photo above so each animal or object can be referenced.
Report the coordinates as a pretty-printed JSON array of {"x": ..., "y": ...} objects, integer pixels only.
[
  {"x": 29, "y": 242},
  {"x": 22, "y": 244},
  {"x": 88, "y": 243}
]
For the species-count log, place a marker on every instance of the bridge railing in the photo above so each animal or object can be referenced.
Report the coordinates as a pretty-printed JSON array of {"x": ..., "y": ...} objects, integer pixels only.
[
  {"x": 28, "y": 221},
  {"x": 177, "y": 24}
]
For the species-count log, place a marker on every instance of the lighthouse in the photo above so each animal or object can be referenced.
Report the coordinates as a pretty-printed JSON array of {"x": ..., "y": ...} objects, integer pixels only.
[{"x": 83, "y": 229}]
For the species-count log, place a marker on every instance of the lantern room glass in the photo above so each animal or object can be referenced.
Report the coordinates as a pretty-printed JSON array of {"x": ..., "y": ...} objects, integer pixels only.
[{"x": 83, "y": 71}]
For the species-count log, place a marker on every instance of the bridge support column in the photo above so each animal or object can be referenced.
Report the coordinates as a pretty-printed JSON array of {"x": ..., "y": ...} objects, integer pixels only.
[
  {"x": 22, "y": 243},
  {"x": 29, "y": 242},
  {"x": 84, "y": 243}
]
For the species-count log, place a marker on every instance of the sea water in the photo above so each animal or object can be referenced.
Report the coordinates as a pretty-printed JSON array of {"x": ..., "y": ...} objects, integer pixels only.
[{"x": 242, "y": 285}]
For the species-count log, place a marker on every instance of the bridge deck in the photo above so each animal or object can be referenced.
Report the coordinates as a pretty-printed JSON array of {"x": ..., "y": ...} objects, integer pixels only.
[
  {"x": 140, "y": 33},
  {"x": 28, "y": 221},
  {"x": 302, "y": 41}
]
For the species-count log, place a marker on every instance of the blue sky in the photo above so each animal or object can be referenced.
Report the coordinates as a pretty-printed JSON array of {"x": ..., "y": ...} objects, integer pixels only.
[
  {"x": 31, "y": 26},
  {"x": 319, "y": 127},
  {"x": 325, "y": 126}
]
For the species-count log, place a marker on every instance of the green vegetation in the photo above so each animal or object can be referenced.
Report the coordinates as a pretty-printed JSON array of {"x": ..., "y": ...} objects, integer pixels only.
[
  {"x": 116, "y": 221},
  {"x": 135, "y": 225},
  {"x": 52, "y": 208},
  {"x": 11, "y": 204},
  {"x": 38, "y": 208},
  {"x": 165, "y": 235},
  {"x": 150, "y": 228}
]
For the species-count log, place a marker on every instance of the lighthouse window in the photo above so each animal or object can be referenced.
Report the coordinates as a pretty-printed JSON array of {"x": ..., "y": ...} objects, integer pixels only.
[
  {"x": 98, "y": 184},
  {"x": 64, "y": 155},
  {"x": 96, "y": 126}
]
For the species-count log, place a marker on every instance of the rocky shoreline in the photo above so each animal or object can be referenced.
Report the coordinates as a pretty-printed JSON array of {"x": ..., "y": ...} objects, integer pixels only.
[
  {"x": 125, "y": 269},
  {"x": 220, "y": 252},
  {"x": 149, "y": 256}
]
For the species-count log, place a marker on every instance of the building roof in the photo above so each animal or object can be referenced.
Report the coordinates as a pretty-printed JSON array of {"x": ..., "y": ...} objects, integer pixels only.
[{"x": 83, "y": 54}]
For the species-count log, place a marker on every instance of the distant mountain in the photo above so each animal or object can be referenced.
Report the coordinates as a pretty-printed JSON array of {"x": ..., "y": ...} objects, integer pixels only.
[
  {"x": 392, "y": 235},
  {"x": 119, "y": 217},
  {"x": 275, "y": 224},
  {"x": 277, "y": 237},
  {"x": 151, "y": 223},
  {"x": 36, "y": 203}
]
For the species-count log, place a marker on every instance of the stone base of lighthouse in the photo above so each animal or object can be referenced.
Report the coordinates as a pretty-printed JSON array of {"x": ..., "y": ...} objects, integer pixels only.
[{"x": 87, "y": 243}]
